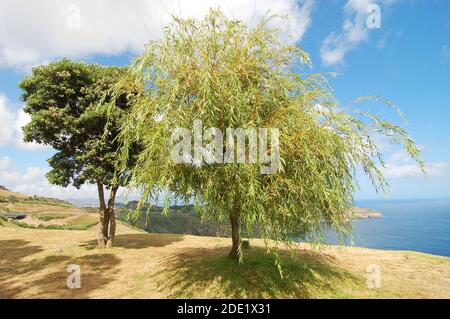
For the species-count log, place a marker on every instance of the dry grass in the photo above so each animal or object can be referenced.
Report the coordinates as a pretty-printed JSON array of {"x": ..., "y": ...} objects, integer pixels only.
[
  {"x": 24, "y": 207},
  {"x": 33, "y": 264},
  {"x": 5, "y": 193},
  {"x": 71, "y": 222},
  {"x": 48, "y": 216},
  {"x": 48, "y": 213}
]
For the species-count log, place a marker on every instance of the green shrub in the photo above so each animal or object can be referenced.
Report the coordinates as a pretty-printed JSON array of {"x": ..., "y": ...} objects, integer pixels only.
[
  {"x": 83, "y": 222},
  {"x": 12, "y": 199},
  {"x": 46, "y": 216}
]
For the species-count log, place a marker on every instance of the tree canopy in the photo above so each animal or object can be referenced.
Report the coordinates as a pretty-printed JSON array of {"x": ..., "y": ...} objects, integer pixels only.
[
  {"x": 225, "y": 74},
  {"x": 68, "y": 104}
]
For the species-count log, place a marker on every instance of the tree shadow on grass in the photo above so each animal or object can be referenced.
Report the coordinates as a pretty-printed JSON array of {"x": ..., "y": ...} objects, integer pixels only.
[
  {"x": 13, "y": 267},
  {"x": 139, "y": 241},
  {"x": 96, "y": 270},
  {"x": 31, "y": 277},
  {"x": 12, "y": 251},
  {"x": 211, "y": 273}
]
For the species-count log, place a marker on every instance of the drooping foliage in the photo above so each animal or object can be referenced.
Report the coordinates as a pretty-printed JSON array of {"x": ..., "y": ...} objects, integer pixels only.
[{"x": 227, "y": 75}]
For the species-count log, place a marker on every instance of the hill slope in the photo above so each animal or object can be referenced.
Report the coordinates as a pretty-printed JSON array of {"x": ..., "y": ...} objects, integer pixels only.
[
  {"x": 44, "y": 212},
  {"x": 184, "y": 220},
  {"x": 35, "y": 253},
  {"x": 33, "y": 264}
]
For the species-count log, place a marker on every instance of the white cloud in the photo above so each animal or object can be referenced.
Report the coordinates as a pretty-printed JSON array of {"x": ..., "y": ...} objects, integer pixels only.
[
  {"x": 6, "y": 122},
  {"x": 354, "y": 31},
  {"x": 31, "y": 175},
  {"x": 21, "y": 120},
  {"x": 42, "y": 187},
  {"x": 32, "y": 181},
  {"x": 5, "y": 162},
  {"x": 37, "y": 31},
  {"x": 400, "y": 165},
  {"x": 11, "y": 123}
]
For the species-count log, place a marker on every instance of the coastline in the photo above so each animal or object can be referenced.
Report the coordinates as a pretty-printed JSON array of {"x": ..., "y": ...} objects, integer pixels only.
[{"x": 365, "y": 213}]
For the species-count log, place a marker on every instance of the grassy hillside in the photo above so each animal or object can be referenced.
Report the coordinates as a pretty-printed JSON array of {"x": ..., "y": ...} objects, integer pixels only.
[
  {"x": 184, "y": 220},
  {"x": 46, "y": 212},
  {"x": 7, "y": 196},
  {"x": 35, "y": 253},
  {"x": 5, "y": 193},
  {"x": 33, "y": 264},
  {"x": 179, "y": 220}
]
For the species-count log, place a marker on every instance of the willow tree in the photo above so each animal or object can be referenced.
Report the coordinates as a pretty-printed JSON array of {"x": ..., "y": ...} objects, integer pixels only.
[{"x": 227, "y": 75}]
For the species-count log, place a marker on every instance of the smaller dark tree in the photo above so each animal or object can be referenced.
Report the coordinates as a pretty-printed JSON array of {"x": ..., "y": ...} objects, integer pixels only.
[{"x": 69, "y": 104}]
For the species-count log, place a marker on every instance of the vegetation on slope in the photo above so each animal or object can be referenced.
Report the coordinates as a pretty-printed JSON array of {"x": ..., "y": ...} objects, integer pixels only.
[
  {"x": 82, "y": 222},
  {"x": 176, "y": 220},
  {"x": 182, "y": 219},
  {"x": 46, "y": 216},
  {"x": 15, "y": 198},
  {"x": 45, "y": 213}
]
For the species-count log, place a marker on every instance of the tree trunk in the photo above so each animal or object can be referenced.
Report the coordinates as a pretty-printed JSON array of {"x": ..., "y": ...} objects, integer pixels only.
[
  {"x": 102, "y": 234},
  {"x": 235, "y": 236},
  {"x": 112, "y": 217}
]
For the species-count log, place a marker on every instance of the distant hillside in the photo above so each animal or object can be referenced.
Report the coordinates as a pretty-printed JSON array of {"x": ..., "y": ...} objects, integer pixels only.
[
  {"x": 364, "y": 213},
  {"x": 83, "y": 202},
  {"x": 182, "y": 219},
  {"x": 179, "y": 220},
  {"x": 7, "y": 196},
  {"x": 4, "y": 193},
  {"x": 43, "y": 213},
  {"x": 89, "y": 202}
]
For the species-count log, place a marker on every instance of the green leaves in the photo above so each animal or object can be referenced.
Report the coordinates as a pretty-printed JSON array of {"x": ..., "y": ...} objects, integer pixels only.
[
  {"x": 227, "y": 75},
  {"x": 67, "y": 103}
]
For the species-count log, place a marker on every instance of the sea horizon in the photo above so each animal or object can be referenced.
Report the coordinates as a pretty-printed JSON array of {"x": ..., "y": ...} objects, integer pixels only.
[{"x": 421, "y": 225}]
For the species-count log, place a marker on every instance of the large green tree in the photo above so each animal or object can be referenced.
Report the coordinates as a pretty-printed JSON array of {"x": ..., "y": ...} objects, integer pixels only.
[
  {"x": 69, "y": 107},
  {"x": 226, "y": 75}
]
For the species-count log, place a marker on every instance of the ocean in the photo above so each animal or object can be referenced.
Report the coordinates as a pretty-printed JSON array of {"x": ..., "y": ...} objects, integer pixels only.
[{"x": 418, "y": 225}]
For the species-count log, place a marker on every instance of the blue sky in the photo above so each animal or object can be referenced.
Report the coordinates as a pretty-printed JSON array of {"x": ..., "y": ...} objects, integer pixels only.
[{"x": 406, "y": 60}]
